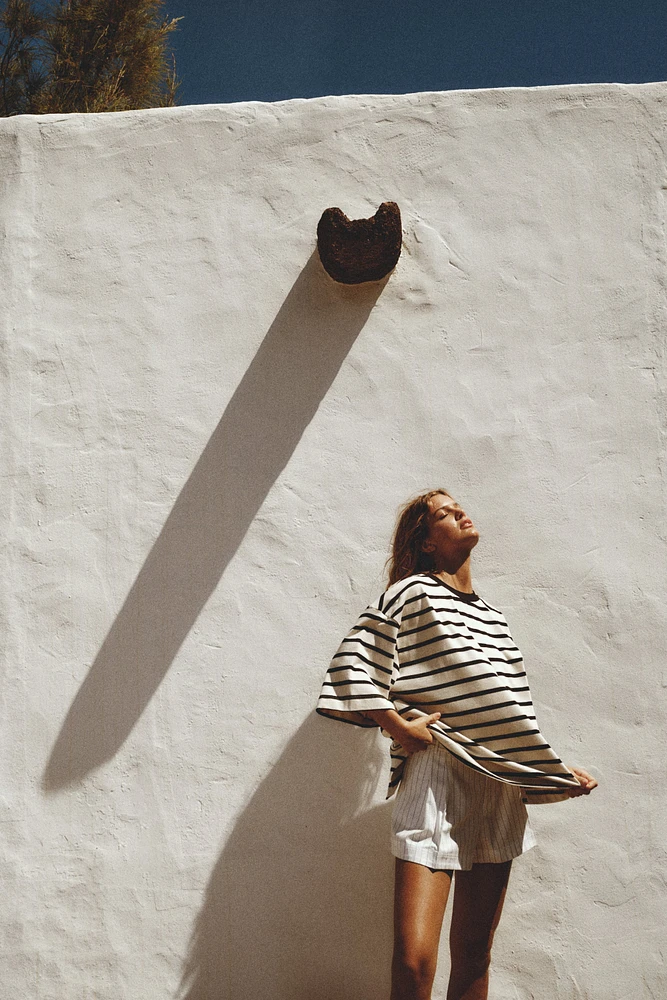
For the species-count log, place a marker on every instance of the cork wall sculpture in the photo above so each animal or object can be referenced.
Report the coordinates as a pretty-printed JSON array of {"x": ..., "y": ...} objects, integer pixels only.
[{"x": 356, "y": 250}]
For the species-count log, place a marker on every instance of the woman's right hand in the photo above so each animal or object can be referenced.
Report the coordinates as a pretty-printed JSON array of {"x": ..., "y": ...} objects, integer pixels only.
[{"x": 415, "y": 735}]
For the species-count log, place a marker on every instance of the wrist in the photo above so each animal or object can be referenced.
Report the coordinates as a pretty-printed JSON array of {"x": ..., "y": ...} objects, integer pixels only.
[
  {"x": 399, "y": 727},
  {"x": 390, "y": 721}
]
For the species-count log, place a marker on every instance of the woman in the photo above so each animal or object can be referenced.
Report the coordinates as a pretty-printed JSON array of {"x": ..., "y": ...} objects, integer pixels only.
[{"x": 435, "y": 667}]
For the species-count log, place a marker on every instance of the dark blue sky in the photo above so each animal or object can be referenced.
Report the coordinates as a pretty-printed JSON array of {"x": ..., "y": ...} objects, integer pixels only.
[{"x": 239, "y": 50}]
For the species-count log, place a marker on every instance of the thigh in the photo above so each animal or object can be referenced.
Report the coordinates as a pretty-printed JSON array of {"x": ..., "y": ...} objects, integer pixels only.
[
  {"x": 479, "y": 895},
  {"x": 420, "y": 899}
]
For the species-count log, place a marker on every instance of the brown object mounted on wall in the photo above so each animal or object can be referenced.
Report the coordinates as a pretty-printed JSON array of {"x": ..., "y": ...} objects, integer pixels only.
[{"x": 356, "y": 250}]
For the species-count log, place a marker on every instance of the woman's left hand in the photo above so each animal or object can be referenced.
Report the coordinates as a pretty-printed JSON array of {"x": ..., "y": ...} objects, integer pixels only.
[{"x": 586, "y": 782}]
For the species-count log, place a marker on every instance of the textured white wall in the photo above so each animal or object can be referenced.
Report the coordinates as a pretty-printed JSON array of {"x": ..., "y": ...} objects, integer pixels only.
[{"x": 204, "y": 443}]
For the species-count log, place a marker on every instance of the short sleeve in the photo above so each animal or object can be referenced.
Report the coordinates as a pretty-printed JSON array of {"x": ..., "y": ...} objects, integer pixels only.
[{"x": 360, "y": 675}]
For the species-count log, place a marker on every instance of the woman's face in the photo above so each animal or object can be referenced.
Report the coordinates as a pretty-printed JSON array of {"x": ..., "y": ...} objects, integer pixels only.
[{"x": 452, "y": 533}]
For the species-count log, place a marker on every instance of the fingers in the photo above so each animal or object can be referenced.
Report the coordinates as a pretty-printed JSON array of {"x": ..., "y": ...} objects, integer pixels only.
[
  {"x": 586, "y": 782},
  {"x": 417, "y": 741},
  {"x": 585, "y": 779},
  {"x": 418, "y": 736},
  {"x": 415, "y": 746}
]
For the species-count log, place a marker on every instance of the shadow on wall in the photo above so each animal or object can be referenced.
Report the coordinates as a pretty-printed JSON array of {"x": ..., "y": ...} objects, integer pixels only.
[
  {"x": 275, "y": 401},
  {"x": 299, "y": 904}
]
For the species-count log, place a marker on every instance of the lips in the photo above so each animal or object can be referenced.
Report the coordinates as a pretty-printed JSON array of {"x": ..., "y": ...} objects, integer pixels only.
[{"x": 467, "y": 523}]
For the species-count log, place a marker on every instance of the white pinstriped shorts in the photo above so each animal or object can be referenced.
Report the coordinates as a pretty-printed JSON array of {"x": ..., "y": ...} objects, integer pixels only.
[{"x": 448, "y": 816}]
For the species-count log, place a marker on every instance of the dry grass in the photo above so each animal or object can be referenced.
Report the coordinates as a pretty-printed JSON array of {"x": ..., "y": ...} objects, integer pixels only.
[{"x": 85, "y": 55}]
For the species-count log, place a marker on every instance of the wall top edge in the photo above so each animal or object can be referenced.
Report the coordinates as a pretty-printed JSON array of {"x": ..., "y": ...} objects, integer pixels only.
[{"x": 479, "y": 96}]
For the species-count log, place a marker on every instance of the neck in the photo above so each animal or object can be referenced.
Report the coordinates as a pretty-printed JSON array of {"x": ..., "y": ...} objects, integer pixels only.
[{"x": 458, "y": 577}]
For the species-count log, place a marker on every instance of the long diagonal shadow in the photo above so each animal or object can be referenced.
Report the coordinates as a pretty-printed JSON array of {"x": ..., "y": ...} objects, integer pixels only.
[
  {"x": 298, "y": 905},
  {"x": 257, "y": 433}
]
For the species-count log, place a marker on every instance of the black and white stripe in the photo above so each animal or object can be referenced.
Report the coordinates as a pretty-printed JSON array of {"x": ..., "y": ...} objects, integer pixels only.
[{"x": 428, "y": 648}]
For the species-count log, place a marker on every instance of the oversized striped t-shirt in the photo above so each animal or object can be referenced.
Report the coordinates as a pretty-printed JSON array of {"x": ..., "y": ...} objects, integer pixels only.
[{"x": 425, "y": 647}]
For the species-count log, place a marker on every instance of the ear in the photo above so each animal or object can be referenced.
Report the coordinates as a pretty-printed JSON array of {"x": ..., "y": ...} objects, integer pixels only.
[{"x": 428, "y": 546}]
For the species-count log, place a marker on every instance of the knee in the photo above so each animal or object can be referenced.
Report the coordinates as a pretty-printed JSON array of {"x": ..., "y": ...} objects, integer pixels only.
[
  {"x": 473, "y": 956},
  {"x": 415, "y": 965}
]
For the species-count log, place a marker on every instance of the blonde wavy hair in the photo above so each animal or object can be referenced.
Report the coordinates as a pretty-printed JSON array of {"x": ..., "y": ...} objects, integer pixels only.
[{"x": 407, "y": 556}]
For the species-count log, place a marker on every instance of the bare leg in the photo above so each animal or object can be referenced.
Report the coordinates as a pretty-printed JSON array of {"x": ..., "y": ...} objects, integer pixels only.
[
  {"x": 478, "y": 902},
  {"x": 420, "y": 899}
]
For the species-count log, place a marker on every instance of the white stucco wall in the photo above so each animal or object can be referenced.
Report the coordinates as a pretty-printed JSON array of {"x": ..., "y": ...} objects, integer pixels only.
[{"x": 204, "y": 444}]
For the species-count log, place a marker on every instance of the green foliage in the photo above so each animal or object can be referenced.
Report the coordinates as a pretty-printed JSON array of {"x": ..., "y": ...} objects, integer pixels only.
[
  {"x": 85, "y": 55},
  {"x": 22, "y": 74}
]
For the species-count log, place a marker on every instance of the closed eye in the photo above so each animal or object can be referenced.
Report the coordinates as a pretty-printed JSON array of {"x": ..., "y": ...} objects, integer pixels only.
[{"x": 449, "y": 510}]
